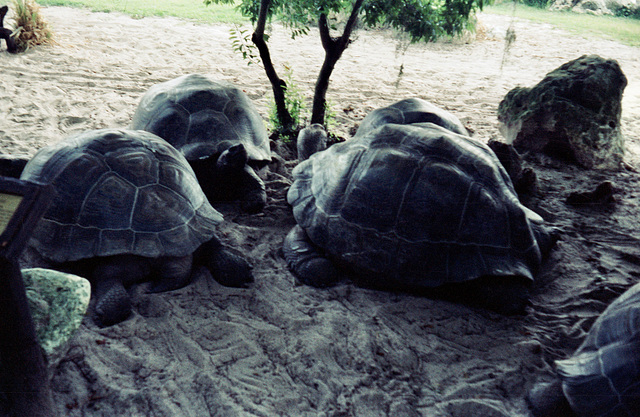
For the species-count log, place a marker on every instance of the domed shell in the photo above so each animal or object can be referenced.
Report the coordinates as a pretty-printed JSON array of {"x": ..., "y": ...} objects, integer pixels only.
[
  {"x": 414, "y": 203},
  {"x": 410, "y": 111},
  {"x": 602, "y": 378},
  {"x": 119, "y": 192},
  {"x": 203, "y": 117}
]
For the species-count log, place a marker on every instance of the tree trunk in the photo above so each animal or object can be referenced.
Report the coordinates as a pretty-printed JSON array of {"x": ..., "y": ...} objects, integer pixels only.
[
  {"x": 333, "y": 49},
  {"x": 279, "y": 86},
  {"x": 322, "y": 85},
  {"x": 23, "y": 372}
]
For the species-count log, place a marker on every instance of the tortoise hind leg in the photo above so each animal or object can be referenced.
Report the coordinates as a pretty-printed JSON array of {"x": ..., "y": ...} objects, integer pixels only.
[
  {"x": 547, "y": 400},
  {"x": 508, "y": 295},
  {"x": 227, "y": 266},
  {"x": 113, "y": 304},
  {"x": 306, "y": 262},
  {"x": 546, "y": 237}
]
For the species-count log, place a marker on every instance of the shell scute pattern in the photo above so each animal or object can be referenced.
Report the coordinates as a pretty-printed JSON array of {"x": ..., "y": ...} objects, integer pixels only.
[
  {"x": 119, "y": 192},
  {"x": 602, "y": 378},
  {"x": 411, "y": 111},
  {"x": 107, "y": 204},
  {"x": 417, "y": 203},
  {"x": 91, "y": 167},
  {"x": 203, "y": 117}
]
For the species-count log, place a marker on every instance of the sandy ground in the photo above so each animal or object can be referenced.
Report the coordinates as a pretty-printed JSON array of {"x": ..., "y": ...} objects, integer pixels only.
[{"x": 281, "y": 349}]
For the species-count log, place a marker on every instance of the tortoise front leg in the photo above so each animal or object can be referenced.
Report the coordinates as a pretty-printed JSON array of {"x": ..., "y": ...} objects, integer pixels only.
[
  {"x": 254, "y": 193},
  {"x": 311, "y": 267},
  {"x": 242, "y": 180},
  {"x": 227, "y": 266},
  {"x": 548, "y": 400}
]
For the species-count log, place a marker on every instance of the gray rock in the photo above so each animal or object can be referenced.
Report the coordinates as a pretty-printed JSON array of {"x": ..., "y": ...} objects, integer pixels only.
[
  {"x": 58, "y": 303},
  {"x": 597, "y": 7},
  {"x": 573, "y": 113}
]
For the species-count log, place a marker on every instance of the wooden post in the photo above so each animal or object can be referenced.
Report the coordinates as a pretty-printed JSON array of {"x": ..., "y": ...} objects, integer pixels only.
[
  {"x": 6, "y": 33},
  {"x": 23, "y": 372}
]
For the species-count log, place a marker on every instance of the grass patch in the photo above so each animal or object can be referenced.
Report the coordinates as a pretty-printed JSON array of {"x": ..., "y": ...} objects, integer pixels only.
[
  {"x": 621, "y": 29},
  {"x": 624, "y": 30},
  {"x": 185, "y": 9},
  {"x": 30, "y": 29}
]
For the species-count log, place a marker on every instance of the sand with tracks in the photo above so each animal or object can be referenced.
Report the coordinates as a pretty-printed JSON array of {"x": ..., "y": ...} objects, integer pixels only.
[{"x": 282, "y": 349}]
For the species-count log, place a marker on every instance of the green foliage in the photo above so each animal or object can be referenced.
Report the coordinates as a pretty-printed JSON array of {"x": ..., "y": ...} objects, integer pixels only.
[
  {"x": 542, "y": 4},
  {"x": 329, "y": 115},
  {"x": 241, "y": 42},
  {"x": 426, "y": 20},
  {"x": 423, "y": 19},
  {"x": 185, "y": 9},
  {"x": 625, "y": 11},
  {"x": 294, "y": 100}
]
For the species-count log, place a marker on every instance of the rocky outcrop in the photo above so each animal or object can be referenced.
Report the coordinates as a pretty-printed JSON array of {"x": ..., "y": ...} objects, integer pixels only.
[
  {"x": 598, "y": 7},
  {"x": 573, "y": 113}
]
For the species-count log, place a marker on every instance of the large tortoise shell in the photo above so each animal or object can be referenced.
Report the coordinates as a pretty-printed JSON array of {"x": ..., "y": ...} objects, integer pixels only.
[
  {"x": 119, "y": 192},
  {"x": 415, "y": 203},
  {"x": 203, "y": 117},
  {"x": 409, "y": 111},
  {"x": 602, "y": 378}
]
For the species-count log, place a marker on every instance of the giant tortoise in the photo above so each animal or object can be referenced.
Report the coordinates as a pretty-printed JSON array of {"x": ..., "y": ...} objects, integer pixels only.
[
  {"x": 602, "y": 377},
  {"x": 410, "y": 111},
  {"x": 127, "y": 206},
  {"x": 415, "y": 206},
  {"x": 219, "y": 131}
]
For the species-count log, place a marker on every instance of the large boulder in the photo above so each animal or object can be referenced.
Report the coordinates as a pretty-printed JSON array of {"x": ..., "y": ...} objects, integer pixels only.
[
  {"x": 598, "y": 7},
  {"x": 58, "y": 303},
  {"x": 573, "y": 113}
]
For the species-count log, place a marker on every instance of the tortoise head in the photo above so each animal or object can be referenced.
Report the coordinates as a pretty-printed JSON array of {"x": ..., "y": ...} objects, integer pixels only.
[{"x": 233, "y": 159}]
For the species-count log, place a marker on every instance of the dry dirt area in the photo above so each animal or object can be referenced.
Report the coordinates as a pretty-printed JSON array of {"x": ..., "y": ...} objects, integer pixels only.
[{"x": 282, "y": 349}]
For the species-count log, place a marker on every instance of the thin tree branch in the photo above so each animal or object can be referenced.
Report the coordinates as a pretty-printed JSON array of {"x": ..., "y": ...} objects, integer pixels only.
[
  {"x": 277, "y": 85},
  {"x": 325, "y": 35},
  {"x": 353, "y": 18},
  {"x": 333, "y": 51},
  {"x": 262, "y": 17}
]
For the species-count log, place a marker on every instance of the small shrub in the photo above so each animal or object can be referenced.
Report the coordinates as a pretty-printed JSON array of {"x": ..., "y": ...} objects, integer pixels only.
[
  {"x": 241, "y": 42},
  {"x": 330, "y": 116},
  {"x": 541, "y": 4},
  {"x": 294, "y": 100},
  {"x": 632, "y": 13},
  {"x": 30, "y": 28}
]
